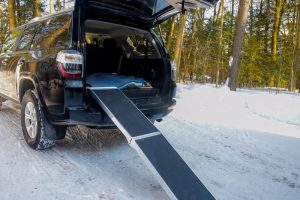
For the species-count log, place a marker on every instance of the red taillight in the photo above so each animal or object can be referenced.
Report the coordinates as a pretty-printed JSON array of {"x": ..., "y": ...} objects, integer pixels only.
[
  {"x": 64, "y": 72},
  {"x": 69, "y": 63}
]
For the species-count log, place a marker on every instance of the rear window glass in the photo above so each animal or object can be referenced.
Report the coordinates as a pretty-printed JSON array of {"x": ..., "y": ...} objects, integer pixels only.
[
  {"x": 53, "y": 33},
  {"x": 10, "y": 41},
  {"x": 141, "y": 45},
  {"x": 134, "y": 46},
  {"x": 96, "y": 39},
  {"x": 26, "y": 38}
]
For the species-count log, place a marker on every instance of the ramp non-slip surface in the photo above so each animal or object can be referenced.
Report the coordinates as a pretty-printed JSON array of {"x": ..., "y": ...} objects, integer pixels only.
[{"x": 178, "y": 180}]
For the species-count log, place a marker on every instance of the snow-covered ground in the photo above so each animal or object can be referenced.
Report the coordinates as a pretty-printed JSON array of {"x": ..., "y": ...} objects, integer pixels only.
[{"x": 242, "y": 145}]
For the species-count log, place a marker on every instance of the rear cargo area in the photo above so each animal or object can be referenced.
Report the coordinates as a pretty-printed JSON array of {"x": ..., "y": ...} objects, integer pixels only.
[{"x": 125, "y": 58}]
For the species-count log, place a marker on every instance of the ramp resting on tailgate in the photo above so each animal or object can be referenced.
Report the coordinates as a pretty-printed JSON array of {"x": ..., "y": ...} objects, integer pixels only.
[{"x": 174, "y": 175}]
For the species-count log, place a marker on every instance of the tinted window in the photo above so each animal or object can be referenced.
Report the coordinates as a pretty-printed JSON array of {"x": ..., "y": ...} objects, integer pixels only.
[
  {"x": 96, "y": 39},
  {"x": 53, "y": 33},
  {"x": 10, "y": 41},
  {"x": 26, "y": 38},
  {"x": 135, "y": 46},
  {"x": 141, "y": 45}
]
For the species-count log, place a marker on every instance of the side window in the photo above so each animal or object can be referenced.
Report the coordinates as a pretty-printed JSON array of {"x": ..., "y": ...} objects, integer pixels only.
[
  {"x": 26, "y": 38},
  {"x": 96, "y": 39},
  {"x": 53, "y": 33},
  {"x": 141, "y": 45},
  {"x": 10, "y": 41}
]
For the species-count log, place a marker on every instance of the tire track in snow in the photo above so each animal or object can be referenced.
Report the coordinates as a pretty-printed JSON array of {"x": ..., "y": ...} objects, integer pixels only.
[
  {"x": 72, "y": 169},
  {"x": 40, "y": 159}
]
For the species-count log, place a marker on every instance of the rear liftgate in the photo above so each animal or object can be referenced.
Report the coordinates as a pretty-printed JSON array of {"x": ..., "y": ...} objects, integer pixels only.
[{"x": 174, "y": 175}]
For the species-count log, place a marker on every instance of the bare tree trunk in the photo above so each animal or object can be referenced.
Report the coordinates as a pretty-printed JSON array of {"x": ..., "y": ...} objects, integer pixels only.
[
  {"x": 232, "y": 23},
  {"x": 59, "y": 5},
  {"x": 200, "y": 13},
  {"x": 220, "y": 42},
  {"x": 38, "y": 8},
  {"x": 276, "y": 28},
  {"x": 232, "y": 14},
  {"x": 215, "y": 14},
  {"x": 11, "y": 15},
  {"x": 296, "y": 62},
  {"x": 171, "y": 32},
  {"x": 194, "y": 63},
  {"x": 260, "y": 18},
  {"x": 1, "y": 22},
  {"x": 267, "y": 24},
  {"x": 51, "y": 6},
  {"x": 238, "y": 41},
  {"x": 251, "y": 18},
  {"x": 179, "y": 42},
  {"x": 191, "y": 57},
  {"x": 18, "y": 13},
  {"x": 192, "y": 42}
]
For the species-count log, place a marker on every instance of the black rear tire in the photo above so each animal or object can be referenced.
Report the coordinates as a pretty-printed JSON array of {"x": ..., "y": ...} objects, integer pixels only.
[{"x": 39, "y": 139}]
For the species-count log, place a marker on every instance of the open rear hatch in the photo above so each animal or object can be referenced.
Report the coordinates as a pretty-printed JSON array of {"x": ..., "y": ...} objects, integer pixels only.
[
  {"x": 146, "y": 13},
  {"x": 134, "y": 14}
]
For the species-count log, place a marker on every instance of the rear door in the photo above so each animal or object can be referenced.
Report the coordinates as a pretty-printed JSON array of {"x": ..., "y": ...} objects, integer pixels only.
[
  {"x": 19, "y": 61},
  {"x": 139, "y": 12},
  {"x": 7, "y": 58}
]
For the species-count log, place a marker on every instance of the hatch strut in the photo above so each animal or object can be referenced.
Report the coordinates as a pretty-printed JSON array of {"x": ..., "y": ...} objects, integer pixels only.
[{"x": 182, "y": 7}]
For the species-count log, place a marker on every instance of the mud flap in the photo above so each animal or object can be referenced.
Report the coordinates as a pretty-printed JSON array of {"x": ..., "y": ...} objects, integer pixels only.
[{"x": 174, "y": 175}]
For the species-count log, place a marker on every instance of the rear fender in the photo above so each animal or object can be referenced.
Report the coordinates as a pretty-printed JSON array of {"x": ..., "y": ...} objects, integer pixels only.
[{"x": 22, "y": 88}]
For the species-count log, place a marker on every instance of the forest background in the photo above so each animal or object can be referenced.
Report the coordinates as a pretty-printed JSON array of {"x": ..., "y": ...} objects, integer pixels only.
[{"x": 254, "y": 42}]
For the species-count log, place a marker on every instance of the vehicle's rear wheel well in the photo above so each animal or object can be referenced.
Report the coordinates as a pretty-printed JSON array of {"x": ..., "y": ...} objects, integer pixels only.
[{"x": 24, "y": 86}]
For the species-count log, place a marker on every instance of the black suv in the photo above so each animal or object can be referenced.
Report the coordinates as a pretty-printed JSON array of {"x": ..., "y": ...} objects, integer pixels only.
[{"x": 50, "y": 63}]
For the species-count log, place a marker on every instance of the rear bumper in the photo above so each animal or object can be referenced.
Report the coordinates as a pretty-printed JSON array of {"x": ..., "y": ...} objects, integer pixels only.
[{"x": 80, "y": 116}]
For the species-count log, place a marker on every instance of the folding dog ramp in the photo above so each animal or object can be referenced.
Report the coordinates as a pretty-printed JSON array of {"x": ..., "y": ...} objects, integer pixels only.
[{"x": 174, "y": 175}]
